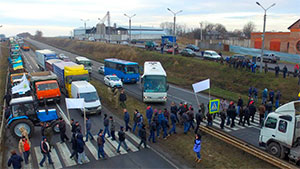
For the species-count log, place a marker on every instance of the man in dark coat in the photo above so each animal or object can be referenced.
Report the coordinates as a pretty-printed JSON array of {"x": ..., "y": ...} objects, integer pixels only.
[
  {"x": 126, "y": 120},
  {"x": 198, "y": 120},
  {"x": 74, "y": 146},
  {"x": 45, "y": 149},
  {"x": 143, "y": 136},
  {"x": 277, "y": 69},
  {"x": 246, "y": 116},
  {"x": 252, "y": 110},
  {"x": 284, "y": 70},
  {"x": 62, "y": 130},
  {"x": 15, "y": 160},
  {"x": 121, "y": 135},
  {"x": 122, "y": 99}
]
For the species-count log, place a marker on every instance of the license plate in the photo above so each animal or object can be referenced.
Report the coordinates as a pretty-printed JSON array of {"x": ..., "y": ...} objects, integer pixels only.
[
  {"x": 132, "y": 79},
  {"x": 50, "y": 100}
]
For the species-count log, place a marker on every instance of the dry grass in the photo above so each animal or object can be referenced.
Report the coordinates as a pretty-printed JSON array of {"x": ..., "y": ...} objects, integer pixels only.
[
  {"x": 225, "y": 82},
  {"x": 3, "y": 70},
  {"x": 215, "y": 153}
]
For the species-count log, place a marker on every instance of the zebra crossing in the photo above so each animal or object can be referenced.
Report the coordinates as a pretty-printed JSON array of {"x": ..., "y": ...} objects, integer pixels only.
[
  {"x": 255, "y": 124},
  {"x": 60, "y": 153}
]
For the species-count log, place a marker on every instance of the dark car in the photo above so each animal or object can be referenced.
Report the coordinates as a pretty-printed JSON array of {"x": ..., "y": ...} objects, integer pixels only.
[
  {"x": 193, "y": 47},
  {"x": 188, "y": 52},
  {"x": 270, "y": 57},
  {"x": 151, "y": 45}
]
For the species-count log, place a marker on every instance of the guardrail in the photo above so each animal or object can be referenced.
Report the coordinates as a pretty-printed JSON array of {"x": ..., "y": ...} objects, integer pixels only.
[{"x": 247, "y": 148}]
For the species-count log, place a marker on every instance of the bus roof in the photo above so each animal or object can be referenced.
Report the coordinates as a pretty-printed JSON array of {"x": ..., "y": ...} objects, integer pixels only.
[
  {"x": 80, "y": 58},
  {"x": 153, "y": 68},
  {"x": 124, "y": 62}
]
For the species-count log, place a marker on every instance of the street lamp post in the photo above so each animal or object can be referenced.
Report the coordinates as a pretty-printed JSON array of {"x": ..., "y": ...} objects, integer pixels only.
[
  {"x": 129, "y": 17},
  {"x": 84, "y": 21},
  {"x": 174, "y": 27},
  {"x": 201, "y": 37},
  {"x": 264, "y": 31}
]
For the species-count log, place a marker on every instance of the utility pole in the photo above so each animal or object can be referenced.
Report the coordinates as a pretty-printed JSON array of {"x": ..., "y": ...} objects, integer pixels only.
[
  {"x": 263, "y": 36},
  {"x": 174, "y": 27},
  {"x": 84, "y": 21},
  {"x": 129, "y": 17},
  {"x": 201, "y": 37}
]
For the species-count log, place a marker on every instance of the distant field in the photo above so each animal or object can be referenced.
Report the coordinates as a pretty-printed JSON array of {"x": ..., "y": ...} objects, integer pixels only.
[{"x": 225, "y": 82}]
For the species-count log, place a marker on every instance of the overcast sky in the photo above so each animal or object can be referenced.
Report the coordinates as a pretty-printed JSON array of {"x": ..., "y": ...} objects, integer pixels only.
[{"x": 59, "y": 17}]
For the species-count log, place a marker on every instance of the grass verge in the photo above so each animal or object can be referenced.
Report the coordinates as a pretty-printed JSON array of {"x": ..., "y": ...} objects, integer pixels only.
[
  {"x": 215, "y": 153},
  {"x": 3, "y": 69}
]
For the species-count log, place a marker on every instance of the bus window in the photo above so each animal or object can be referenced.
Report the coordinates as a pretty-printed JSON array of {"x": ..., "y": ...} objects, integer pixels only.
[{"x": 132, "y": 69}]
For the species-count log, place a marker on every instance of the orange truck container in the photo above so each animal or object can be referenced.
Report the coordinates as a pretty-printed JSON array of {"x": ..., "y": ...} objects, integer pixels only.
[
  {"x": 25, "y": 47},
  {"x": 45, "y": 86}
]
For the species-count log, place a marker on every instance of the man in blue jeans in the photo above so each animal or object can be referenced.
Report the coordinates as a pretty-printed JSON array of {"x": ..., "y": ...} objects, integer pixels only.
[
  {"x": 121, "y": 135},
  {"x": 101, "y": 141},
  {"x": 106, "y": 126},
  {"x": 45, "y": 149},
  {"x": 88, "y": 129},
  {"x": 173, "y": 121}
]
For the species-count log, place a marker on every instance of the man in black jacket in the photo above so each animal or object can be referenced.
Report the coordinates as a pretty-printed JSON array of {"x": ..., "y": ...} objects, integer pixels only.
[
  {"x": 252, "y": 110},
  {"x": 62, "y": 130},
  {"x": 45, "y": 149},
  {"x": 143, "y": 136},
  {"x": 122, "y": 99},
  {"x": 121, "y": 135}
]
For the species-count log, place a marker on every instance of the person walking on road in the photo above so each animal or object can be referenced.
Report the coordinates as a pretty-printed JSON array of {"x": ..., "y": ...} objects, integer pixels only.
[
  {"x": 261, "y": 110},
  {"x": 73, "y": 126},
  {"x": 149, "y": 114},
  {"x": 264, "y": 96},
  {"x": 271, "y": 96},
  {"x": 255, "y": 94},
  {"x": 100, "y": 142},
  {"x": 152, "y": 131},
  {"x": 112, "y": 128},
  {"x": 198, "y": 121},
  {"x": 62, "y": 130},
  {"x": 240, "y": 104},
  {"x": 15, "y": 160},
  {"x": 82, "y": 158},
  {"x": 185, "y": 119},
  {"x": 122, "y": 99},
  {"x": 126, "y": 120},
  {"x": 88, "y": 129},
  {"x": 174, "y": 110},
  {"x": 252, "y": 110},
  {"x": 164, "y": 124},
  {"x": 135, "y": 120},
  {"x": 173, "y": 122},
  {"x": 160, "y": 118},
  {"x": 48, "y": 133},
  {"x": 45, "y": 149},
  {"x": 277, "y": 69},
  {"x": 24, "y": 148},
  {"x": 121, "y": 135},
  {"x": 143, "y": 136},
  {"x": 246, "y": 116},
  {"x": 284, "y": 70},
  {"x": 277, "y": 98},
  {"x": 74, "y": 146},
  {"x": 197, "y": 147},
  {"x": 106, "y": 126}
]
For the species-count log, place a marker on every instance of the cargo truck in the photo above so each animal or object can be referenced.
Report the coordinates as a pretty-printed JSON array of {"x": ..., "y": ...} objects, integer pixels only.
[
  {"x": 67, "y": 72},
  {"x": 85, "y": 62},
  {"x": 45, "y": 87},
  {"x": 43, "y": 55},
  {"x": 49, "y": 64},
  {"x": 280, "y": 133},
  {"x": 16, "y": 78}
]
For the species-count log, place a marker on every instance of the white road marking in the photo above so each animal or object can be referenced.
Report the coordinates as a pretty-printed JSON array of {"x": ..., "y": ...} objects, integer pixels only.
[
  {"x": 108, "y": 149},
  {"x": 39, "y": 156},
  {"x": 55, "y": 159},
  {"x": 92, "y": 149},
  {"x": 115, "y": 144},
  {"x": 65, "y": 153},
  {"x": 130, "y": 145}
]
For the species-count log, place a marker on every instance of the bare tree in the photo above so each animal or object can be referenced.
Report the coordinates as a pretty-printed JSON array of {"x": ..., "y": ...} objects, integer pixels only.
[
  {"x": 248, "y": 28},
  {"x": 38, "y": 34}
]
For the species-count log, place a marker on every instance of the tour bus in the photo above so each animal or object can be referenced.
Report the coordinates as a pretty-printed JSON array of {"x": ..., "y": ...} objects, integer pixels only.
[
  {"x": 154, "y": 82},
  {"x": 127, "y": 71},
  {"x": 85, "y": 62}
]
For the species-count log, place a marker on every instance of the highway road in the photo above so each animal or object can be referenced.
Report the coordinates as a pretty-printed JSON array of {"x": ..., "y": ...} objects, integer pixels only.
[
  {"x": 249, "y": 134},
  {"x": 144, "y": 158}
]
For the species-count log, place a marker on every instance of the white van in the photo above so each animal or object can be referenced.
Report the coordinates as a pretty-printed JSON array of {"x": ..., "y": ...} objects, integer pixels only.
[{"x": 83, "y": 89}]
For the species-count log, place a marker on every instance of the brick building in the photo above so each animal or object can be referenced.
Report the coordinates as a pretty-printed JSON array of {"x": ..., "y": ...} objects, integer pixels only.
[{"x": 288, "y": 42}]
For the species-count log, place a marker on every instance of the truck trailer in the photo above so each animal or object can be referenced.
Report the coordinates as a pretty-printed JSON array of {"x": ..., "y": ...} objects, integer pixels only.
[
  {"x": 280, "y": 133},
  {"x": 43, "y": 55}
]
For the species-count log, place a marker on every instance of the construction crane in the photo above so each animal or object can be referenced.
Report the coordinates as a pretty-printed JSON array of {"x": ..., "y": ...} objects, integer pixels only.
[{"x": 106, "y": 17}]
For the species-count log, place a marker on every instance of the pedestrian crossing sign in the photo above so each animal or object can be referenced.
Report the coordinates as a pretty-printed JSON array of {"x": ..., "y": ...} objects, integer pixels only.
[{"x": 214, "y": 106}]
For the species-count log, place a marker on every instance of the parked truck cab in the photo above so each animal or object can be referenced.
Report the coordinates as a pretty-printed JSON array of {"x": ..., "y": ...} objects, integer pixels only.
[
  {"x": 83, "y": 89},
  {"x": 280, "y": 133},
  {"x": 85, "y": 62}
]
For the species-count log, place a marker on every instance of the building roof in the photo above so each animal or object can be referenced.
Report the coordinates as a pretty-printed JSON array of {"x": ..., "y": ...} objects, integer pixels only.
[{"x": 294, "y": 24}]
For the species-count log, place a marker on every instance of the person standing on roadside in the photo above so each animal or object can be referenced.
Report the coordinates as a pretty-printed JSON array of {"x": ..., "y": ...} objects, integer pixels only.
[
  {"x": 271, "y": 96},
  {"x": 197, "y": 147},
  {"x": 106, "y": 126},
  {"x": 252, "y": 110},
  {"x": 143, "y": 136},
  {"x": 266, "y": 68},
  {"x": 62, "y": 130},
  {"x": 135, "y": 120},
  {"x": 48, "y": 133},
  {"x": 88, "y": 129},
  {"x": 255, "y": 94},
  {"x": 115, "y": 95},
  {"x": 122, "y": 99},
  {"x": 24, "y": 148},
  {"x": 240, "y": 104},
  {"x": 261, "y": 110},
  {"x": 180, "y": 112},
  {"x": 152, "y": 131},
  {"x": 15, "y": 160},
  {"x": 191, "y": 118},
  {"x": 121, "y": 135},
  {"x": 160, "y": 118},
  {"x": 74, "y": 146},
  {"x": 277, "y": 98},
  {"x": 277, "y": 69},
  {"x": 174, "y": 110},
  {"x": 100, "y": 142},
  {"x": 112, "y": 128},
  {"x": 45, "y": 149},
  {"x": 264, "y": 96},
  {"x": 198, "y": 120},
  {"x": 73, "y": 126},
  {"x": 185, "y": 119},
  {"x": 246, "y": 116},
  {"x": 126, "y": 119},
  {"x": 173, "y": 122},
  {"x": 250, "y": 91},
  {"x": 149, "y": 114},
  {"x": 284, "y": 70}
]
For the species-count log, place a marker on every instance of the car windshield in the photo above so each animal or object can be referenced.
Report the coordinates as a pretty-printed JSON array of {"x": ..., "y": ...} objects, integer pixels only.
[
  {"x": 89, "y": 97},
  {"x": 214, "y": 53},
  {"x": 155, "y": 84},
  {"x": 132, "y": 69},
  {"x": 16, "y": 77},
  {"x": 48, "y": 86},
  {"x": 22, "y": 109},
  {"x": 114, "y": 78}
]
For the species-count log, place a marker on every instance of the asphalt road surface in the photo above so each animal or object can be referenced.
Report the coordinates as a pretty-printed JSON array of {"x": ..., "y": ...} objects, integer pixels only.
[
  {"x": 144, "y": 158},
  {"x": 249, "y": 134}
]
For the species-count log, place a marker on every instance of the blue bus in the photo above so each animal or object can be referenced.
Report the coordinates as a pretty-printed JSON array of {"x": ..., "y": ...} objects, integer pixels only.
[{"x": 127, "y": 71}]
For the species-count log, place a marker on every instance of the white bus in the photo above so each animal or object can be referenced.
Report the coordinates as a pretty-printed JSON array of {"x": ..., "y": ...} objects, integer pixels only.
[
  {"x": 154, "y": 82},
  {"x": 85, "y": 62}
]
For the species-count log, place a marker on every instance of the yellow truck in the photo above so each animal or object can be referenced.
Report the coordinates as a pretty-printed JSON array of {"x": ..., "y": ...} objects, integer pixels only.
[{"x": 67, "y": 72}]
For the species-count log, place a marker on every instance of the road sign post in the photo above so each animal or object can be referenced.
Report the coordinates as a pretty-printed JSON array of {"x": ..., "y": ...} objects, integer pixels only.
[{"x": 214, "y": 106}]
